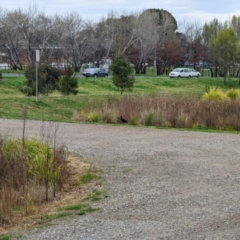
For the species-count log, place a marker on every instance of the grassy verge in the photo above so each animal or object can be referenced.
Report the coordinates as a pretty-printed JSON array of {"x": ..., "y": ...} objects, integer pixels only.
[{"x": 93, "y": 93}]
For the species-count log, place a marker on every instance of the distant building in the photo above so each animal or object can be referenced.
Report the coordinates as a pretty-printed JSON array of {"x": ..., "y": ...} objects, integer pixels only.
[{"x": 3, "y": 61}]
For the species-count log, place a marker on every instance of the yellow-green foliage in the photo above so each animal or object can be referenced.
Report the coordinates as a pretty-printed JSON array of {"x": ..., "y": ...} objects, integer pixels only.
[
  {"x": 233, "y": 93},
  {"x": 27, "y": 166},
  {"x": 93, "y": 117},
  {"x": 38, "y": 155},
  {"x": 215, "y": 94},
  {"x": 41, "y": 160},
  {"x": 11, "y": 148},
  {"x": 33, "y": 147}
]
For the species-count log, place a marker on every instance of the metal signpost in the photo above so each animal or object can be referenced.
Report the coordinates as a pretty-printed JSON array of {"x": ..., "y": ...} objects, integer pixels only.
[{"x": 37, "y": 61}]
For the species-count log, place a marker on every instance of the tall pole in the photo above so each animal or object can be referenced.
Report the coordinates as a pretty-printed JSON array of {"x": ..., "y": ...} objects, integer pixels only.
[
  {"x": 155, "y": 62},
  {"x": 37, "y": 60}
]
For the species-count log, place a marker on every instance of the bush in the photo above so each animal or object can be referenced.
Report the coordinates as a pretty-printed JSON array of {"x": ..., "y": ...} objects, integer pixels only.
[
  {"x": 29, "y": 169},
  {"x": 28, "y": 91},
  {"x": 133, "y": 120},
  {"x": 68, "y": 83},
  {"x": 148, "y": 118},
  {"x": 181, "y": 120},
  {"x": 108, "y": 116},
  {"x": 233, "y": 93},
  {"x": 48, "y": 78},
  {"x": 93, "y": 117},
  {"x": 215, "y": 94}
]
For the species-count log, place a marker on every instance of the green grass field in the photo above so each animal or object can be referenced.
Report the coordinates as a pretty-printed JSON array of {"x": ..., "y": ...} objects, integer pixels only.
[{"x": 94, "y": 92}]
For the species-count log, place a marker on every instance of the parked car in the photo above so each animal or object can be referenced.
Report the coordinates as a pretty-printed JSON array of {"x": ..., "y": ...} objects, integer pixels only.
[
  {"x": 184, "y": 72},
  {"x": 95, "y": 72}
]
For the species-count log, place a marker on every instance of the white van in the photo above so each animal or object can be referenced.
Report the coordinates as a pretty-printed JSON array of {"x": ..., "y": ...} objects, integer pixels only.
[{"x": 184, "y": 72}]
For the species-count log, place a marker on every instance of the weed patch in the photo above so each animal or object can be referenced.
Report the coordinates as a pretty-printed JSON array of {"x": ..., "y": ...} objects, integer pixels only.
[
  {"x": 5, "y": 237},
  {"x": 88, "y": 177},
  {"x": 96, "y": 195},
  {"x": 54, "y": 216}
]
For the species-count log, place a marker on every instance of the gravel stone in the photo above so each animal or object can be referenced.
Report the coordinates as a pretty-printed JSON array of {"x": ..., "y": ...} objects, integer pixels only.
[{"x": 161, "y": 184}]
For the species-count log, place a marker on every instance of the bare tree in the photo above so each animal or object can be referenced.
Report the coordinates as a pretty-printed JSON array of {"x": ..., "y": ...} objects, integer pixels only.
[
  {"x": 116, "y": 34},
  {"x": 152, "y": 28},
  {"x": 194, "y": 49},
  {"x": 24, "y": 32},
  {"x": 72, "y": 40},
  {"x": 147, "y": 32},
  {"x": 169, "y": 53},
  {"x": 11, "y": 41},
  {"x": 47, "y": 37},
  {"x": 26, "y": 23},
  {"x": 93, "y": 44}
]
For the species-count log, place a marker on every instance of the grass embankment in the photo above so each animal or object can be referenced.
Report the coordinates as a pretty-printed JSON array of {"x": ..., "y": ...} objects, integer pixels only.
[{"x": 93, "y": 93}]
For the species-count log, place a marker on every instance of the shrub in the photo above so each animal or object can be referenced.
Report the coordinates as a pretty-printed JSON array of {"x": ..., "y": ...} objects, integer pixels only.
[
  {"x": 93, "y": 117},
  {"x": 28, "y": 91},
  {"x": 215, "y": 94},
  {"x": 68, "y": 83},
  {"x": 233, "y": 93},
  {"x": 133, "y": 120},
  {"x": 148, "y": 118},
  {"x": 157, "y": 119},
  {"x": 48, "y": 78},
  {"x": 80, "y": 115},
  {"x": 28, "y": 170},
  {"x": 108, "y": 116},
  {"x": 181, "y": 120}
]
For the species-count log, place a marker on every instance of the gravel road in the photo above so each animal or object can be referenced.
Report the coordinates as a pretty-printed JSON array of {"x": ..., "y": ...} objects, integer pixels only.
[{"x": 162, "y": 184}]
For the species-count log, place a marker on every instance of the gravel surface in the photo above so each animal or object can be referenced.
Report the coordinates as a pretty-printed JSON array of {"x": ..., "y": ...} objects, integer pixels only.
[{"x": 162, "y": 184}]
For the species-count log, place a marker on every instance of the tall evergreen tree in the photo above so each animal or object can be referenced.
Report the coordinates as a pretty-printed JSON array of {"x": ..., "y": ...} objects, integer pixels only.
[{"x": 122, "y": 72}]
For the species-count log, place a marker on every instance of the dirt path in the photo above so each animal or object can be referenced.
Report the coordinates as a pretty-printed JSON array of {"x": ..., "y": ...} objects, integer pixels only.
[{"x": 163, "y": 184}]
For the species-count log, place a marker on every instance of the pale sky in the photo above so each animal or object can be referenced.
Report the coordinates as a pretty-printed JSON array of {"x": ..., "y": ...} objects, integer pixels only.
[{"x": 189, "y": 10}]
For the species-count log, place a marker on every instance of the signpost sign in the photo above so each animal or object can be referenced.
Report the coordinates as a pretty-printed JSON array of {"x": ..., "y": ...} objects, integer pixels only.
[{"x": 37, "y": 61}]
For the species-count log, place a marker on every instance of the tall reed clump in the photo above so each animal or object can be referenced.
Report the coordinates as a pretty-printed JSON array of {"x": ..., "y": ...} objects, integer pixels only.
[
  {"x": 29, "y": 171},
  {"x": 148, "y": 118},
  {"x": 107, "y": 115}
]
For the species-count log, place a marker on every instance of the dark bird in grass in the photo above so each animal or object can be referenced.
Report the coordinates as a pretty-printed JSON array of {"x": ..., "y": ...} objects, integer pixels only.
[{"x": 123, "y": 120}]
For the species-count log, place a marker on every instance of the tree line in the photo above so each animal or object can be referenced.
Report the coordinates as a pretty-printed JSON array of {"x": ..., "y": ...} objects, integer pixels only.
[{"x": 151, "y": 37}]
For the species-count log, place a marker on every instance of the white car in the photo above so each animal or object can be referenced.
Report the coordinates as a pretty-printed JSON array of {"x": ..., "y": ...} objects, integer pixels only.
[{"x": 184, "y": 72}]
